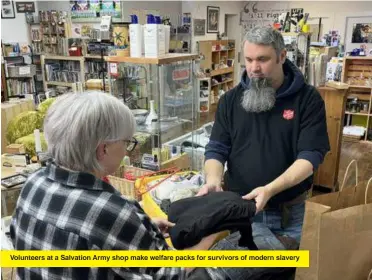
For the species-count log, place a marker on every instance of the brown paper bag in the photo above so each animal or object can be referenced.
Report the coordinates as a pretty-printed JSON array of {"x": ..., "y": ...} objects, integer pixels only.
[{"x": 337, "y": 231}]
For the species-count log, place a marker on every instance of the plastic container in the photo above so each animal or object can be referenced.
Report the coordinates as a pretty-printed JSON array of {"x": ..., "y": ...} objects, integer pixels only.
[
  {"x": 154, "y": 37},
  {"x": 136, "y": 37}
]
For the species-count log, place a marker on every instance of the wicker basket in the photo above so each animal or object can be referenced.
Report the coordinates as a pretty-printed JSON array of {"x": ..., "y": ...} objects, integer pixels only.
[
  {"x": 125, "y": 186},
  {"x": 21, "y": 71},
  {"x": 351, "y": 138}
]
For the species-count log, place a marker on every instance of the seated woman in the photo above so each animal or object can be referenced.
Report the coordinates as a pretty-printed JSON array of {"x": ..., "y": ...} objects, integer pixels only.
[{"x": 66, "y": 206}]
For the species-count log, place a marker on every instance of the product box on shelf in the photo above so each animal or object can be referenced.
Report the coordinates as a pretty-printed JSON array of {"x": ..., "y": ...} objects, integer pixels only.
[{"x": 154, "y": 36}]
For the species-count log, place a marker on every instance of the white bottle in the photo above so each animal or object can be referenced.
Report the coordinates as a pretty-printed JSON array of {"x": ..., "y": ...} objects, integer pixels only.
[
  {"x": 38, "y": 148},
  {"x": 152, "y": 116},
  {"x": 167, "y": 38},
  {"x": 161, "y": 35},
  {"x": 151, "y": 37},
  {"x": 174, "y": 152},
  {"x": 154, "y": 37},
  {"x": 136, "y": 37}
]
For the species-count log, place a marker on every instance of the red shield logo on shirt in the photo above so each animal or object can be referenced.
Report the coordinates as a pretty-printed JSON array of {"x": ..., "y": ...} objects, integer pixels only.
[{"x": 288, "y": 114}]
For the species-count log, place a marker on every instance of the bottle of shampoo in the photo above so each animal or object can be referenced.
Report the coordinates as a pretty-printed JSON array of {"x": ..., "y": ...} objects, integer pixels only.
[{"x": 136, "y": 37}]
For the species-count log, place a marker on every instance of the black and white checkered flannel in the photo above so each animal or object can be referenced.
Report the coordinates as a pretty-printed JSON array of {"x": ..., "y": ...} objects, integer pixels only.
[{"x": 62, "y": 210}]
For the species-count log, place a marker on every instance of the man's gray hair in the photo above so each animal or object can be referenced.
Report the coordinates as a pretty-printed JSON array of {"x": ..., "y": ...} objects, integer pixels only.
[
  {"x": 264, "y": 35},
  {"x": 77, "y": 123}
]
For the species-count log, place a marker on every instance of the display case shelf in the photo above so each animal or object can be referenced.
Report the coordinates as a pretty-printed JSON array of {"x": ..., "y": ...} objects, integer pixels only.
[
  {"x": 168, "y": 82},
  {"x": 161, "y": 60}
]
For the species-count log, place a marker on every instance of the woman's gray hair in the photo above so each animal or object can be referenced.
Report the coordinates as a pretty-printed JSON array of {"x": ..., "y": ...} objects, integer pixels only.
[
  {"x": 264, "y": 35},
  {"x": 77, "y": 123}
]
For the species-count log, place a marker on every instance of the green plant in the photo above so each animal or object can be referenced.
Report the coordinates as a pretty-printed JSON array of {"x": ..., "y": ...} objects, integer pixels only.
[{"x": 119, "y": 38}]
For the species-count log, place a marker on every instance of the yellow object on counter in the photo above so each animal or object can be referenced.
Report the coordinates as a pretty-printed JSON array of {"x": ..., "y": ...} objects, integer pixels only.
[
  {"x": 164, "y": 153},
  {"x": 306, "y": 28}
]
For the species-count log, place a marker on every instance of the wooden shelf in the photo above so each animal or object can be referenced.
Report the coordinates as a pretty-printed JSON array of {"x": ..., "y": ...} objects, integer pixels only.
[
  {"x": 224, "y": 82},
  {"x": 359, "y": 57},
  {"x": 64, "y": 84},
  {"x": 222, "y": 71},
  {"x": 356, "y": 66},
  {"x": 61, "y": 57},
  {"x": 225, "y": 50},
  {"x": 93, "y": 56},
  {"x": 358, "y": 114},
  {"x": 356, "y": 86},
  {"x": 292, "y": 34},
  {"x": 165, "y": 59},
  {"x": 360, "y": 96}
]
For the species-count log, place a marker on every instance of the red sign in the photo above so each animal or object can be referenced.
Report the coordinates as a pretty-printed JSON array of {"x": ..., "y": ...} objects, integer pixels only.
[
  {"x": 113, "y": 68},
  {"x": 180, "y": 74},
  {"x": 288, "y": 114}
]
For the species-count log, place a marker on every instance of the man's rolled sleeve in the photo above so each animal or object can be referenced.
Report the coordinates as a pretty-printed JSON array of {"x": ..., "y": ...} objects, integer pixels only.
[
  {"x": 313, "y": 142},
  {"x": 219, "y": 145}
]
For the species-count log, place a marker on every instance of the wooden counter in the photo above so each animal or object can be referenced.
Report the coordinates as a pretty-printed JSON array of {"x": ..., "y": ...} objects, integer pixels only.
[{"x": 335, "y": 102}]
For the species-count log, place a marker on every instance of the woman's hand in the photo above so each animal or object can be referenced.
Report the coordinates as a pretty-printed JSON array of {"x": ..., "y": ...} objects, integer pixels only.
[{"x": 164, "y": 225}]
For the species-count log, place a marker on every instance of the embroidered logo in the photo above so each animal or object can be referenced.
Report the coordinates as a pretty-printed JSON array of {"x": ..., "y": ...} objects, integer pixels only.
[{"x": 288, "y": 114}]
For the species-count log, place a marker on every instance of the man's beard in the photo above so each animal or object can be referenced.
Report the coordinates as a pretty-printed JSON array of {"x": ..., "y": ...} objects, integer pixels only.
[{"x": 260, "y": 96}]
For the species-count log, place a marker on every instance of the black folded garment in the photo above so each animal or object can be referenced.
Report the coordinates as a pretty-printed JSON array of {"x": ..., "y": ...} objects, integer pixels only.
[{"x": 198, "y": 217}]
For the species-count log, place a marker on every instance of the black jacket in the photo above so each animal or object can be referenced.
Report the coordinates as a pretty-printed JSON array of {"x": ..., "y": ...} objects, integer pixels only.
[
  {"x": 198, "y": 217},
  {"x": 259, "y": 147}
]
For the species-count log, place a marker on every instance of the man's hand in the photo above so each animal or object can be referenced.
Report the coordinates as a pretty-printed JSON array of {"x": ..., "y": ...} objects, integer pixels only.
[
  {"x": 261, "y": 195},
  {"x": 208, "y": 188},
  {"x": 164, "y": 225}
]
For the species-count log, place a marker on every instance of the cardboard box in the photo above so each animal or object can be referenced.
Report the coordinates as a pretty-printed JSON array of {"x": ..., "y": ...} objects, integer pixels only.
[
  {"x": 15, "y": 149},
  {"x": 12, "y": 160}
]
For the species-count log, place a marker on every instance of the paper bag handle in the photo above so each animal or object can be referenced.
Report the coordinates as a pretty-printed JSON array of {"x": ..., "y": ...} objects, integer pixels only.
[
  {"x": 370, "y": 273},
  {"x": 365, "y": 195},
  {"x": 347, "y": 172}
]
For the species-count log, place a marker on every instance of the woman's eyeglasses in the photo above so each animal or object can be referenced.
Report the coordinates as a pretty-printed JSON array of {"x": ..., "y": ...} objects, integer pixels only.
[{"x": 131, "y": 144}]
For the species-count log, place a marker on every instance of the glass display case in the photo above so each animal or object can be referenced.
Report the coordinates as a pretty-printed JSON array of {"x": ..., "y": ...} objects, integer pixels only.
[{"x": 162, "y": 94}]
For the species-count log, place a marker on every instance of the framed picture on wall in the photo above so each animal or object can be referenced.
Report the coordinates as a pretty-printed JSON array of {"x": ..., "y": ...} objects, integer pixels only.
[
  {"x": 213, "y": 18},
  {"x": 7, "y": 9},
  {"x": 199, "y": 27},
  {"x": 25, "y": 7},
  {"x": 358, "y": 31}
]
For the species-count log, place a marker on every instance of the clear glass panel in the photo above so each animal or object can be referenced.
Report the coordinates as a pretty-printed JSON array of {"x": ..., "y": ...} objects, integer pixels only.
[{"x": 163, "y": 100}]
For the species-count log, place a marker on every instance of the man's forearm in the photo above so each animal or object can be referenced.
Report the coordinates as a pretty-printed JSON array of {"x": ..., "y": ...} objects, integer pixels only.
[
  {"x": 213, "y": 170},
  {"x": 295, "y": 174}
]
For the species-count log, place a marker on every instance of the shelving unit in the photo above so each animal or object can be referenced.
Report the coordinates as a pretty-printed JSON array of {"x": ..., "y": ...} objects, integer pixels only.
[
  {"x": 55, "y": 28},
  {"x": 357, "y": 72},
  {"x": 298, "y": 49},
  {"x": 46, "y": 78},
  {"x": 4, "y": 88},
  {"x": 204, "y": 89},
  {"x": 218, "y": 59},
  {"x": 170, "y": 86},
  {"x": 180, "y": 35},
  {"x": 19, "y": 71}
]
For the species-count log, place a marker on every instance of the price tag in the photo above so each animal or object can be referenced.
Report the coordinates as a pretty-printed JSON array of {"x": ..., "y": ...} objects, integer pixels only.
[
  {"x": 24, "y": 70},
  {"x": 287, "y": 40},
  {"x": 114, "y": 69}
]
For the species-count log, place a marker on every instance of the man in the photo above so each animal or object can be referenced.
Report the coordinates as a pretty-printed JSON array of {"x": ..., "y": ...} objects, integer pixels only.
[{"x": 271, "y": 130}]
